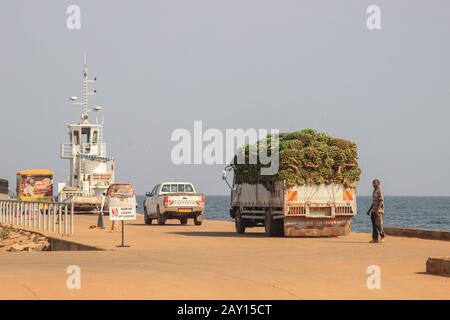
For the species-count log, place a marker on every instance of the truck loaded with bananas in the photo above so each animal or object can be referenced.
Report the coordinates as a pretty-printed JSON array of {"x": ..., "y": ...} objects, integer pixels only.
[{"x": 313, "y": 192}]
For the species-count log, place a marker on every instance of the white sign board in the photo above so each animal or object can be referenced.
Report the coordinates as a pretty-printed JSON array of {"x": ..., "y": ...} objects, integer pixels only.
[{"x": 122, "y": 213}]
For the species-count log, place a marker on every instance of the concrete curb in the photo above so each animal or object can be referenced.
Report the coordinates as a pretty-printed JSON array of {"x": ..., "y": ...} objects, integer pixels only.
[
  {"x": 417, "y": 233},
  {"x": 439, "y": 266}
]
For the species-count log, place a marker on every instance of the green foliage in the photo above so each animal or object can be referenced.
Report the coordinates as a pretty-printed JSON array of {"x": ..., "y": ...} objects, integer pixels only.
[
  {"x": 306, "y": 157},
  {"x": 4, "y": 233}
]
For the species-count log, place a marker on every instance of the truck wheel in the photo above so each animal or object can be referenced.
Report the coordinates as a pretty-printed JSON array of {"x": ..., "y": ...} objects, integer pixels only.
[
  {"x": 269, "y": 224},
  {"x": 197, "y": 222},
  {"x": 239, "y": 223},
  {"x": 147, "y": 219},
  {"x": 160, "y": 217},
  {"x": 279, "y": 227},
  {"x": 183, "y": 220}
]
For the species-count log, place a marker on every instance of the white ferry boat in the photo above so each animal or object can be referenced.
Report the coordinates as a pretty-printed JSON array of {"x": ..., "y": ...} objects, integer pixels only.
[{"x": 91, "y": 169}]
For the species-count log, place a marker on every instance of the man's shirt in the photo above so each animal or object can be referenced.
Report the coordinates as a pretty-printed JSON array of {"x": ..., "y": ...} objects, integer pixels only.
[{"x": 378, "y": 200}]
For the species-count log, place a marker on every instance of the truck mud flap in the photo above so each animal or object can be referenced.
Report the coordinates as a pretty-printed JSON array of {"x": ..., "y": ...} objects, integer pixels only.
[{"x": 317, "y": 227}]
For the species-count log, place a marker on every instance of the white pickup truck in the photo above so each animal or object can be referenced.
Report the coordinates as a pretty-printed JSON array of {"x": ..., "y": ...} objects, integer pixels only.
[{"x": 174, "y": 200}]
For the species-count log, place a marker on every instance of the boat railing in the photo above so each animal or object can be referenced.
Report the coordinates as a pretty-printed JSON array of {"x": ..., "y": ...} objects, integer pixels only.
[{"x": 68, "y": 150}]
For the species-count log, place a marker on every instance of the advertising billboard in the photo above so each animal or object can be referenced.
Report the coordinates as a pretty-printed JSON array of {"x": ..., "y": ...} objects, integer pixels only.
[{"x": 35, "y": 185}]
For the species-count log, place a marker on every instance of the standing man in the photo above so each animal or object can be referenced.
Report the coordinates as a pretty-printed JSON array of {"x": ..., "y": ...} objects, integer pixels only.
[{"x": 376, "y": 212}]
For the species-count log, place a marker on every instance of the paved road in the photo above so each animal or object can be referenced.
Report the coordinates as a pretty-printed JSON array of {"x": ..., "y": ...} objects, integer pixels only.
[{"x": 211, "y": 261}]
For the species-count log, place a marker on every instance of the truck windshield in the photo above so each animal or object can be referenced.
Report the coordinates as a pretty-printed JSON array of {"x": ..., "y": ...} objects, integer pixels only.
[{"x": 122, "y": 190}]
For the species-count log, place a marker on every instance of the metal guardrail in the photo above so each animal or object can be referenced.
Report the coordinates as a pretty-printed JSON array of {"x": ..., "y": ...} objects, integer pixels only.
[{"x": 45, "y": 216}]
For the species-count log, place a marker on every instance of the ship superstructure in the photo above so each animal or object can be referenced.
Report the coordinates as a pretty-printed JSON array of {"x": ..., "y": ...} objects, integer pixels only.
[{"x": 91, "y": 169}]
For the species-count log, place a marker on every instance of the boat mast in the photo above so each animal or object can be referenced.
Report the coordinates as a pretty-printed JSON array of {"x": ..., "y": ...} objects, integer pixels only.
[{"x": 86, "y": 94}]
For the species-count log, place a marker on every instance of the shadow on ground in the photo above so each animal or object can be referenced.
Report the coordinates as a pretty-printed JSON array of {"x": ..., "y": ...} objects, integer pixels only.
[{"x": 217, "y": 234}]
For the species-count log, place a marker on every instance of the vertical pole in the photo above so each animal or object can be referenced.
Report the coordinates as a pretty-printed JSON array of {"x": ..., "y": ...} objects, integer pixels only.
[
  {"x": 44, "y": 221},
  {"x": 21, "y": 206},
  {"x": 39, "y": 216},
  {"x": 123, "y": 233},
  {"x": 71, "y": 219},
  {"x": 33, "y": 215},
  {"x": 27, "y": 215},
  {"x": 59, "y": 218},
  {"x": 55, "y": 206},
  {"x": 65, "y": 219},
  {"x": 48, "y": 217}
]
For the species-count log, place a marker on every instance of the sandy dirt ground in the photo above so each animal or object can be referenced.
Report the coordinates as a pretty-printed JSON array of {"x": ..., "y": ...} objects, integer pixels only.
[{"x": 213, "y": 262}]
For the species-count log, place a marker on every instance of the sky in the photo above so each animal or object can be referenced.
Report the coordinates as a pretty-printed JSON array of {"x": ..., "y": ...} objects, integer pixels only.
[{"x": 263, "y": 64}]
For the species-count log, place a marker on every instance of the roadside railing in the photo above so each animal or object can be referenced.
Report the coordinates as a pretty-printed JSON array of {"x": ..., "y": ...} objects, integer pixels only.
[{"x": 36, "y": 215}]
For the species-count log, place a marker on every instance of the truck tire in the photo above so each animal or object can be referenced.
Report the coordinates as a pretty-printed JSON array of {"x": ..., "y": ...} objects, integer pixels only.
[
  {"x": 269, "y": 224},
  {"x": 160, "y": 217},
  {"x": 184, "y": 220},
  {"x": 147, "y": 219},
  {"x": 279, "y": 227},
  {"x": 239, "y": 223},
  {"x": 197, "y": 222}
]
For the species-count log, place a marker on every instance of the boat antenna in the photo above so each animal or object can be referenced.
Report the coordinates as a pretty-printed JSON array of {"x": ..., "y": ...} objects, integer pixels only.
[{"x": 86, "y": 93}]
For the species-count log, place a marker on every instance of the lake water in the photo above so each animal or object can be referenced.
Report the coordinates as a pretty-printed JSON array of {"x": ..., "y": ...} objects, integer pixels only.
[{"x": 431, "y": 213}]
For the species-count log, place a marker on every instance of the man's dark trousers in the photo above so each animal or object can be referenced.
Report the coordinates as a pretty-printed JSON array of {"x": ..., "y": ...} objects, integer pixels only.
[{"x": 377, "y": 225}]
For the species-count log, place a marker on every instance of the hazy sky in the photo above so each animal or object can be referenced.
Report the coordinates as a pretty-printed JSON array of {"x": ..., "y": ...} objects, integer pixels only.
[{"x": 232, "y": 64}]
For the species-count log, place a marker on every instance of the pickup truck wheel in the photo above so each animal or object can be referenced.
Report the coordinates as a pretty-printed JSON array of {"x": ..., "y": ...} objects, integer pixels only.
[
  {"x": 183, "y": 220},
  {"x": 269, "y": 224},
  {"x": 197, "y": 222},
  {"x": 147, "y": 219},
  {"x": 239, "y": 223},
  {"x": 161, "y": 218}
]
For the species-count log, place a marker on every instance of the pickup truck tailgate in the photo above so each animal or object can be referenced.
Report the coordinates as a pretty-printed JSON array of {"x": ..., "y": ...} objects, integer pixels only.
[{"x": 184, "y": 201}]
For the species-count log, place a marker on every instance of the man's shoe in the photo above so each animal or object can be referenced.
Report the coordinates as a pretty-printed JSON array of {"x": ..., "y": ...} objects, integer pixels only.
[
  {"x": 382, "y": 240},
  {"x": 373, "y": 241}
]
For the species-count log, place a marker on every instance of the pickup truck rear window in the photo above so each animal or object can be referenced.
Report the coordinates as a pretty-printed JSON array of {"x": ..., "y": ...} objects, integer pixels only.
[
  {"x": 173, "y": 188},
  {"x": 165, "y": 188}
]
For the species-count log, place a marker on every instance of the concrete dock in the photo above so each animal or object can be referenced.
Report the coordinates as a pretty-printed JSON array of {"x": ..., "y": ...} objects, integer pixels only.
[{"x": 213, "y": 262}]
